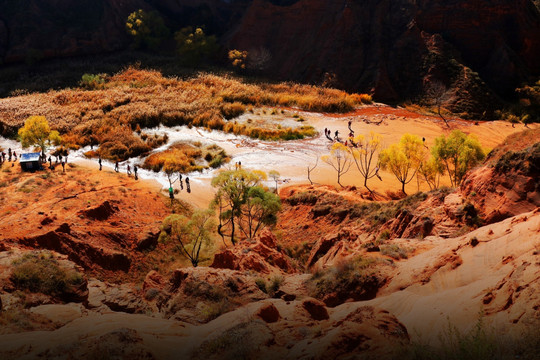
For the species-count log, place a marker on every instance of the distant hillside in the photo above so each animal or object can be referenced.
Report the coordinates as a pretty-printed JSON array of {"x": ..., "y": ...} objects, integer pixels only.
[{"x": 391, "y": 48}]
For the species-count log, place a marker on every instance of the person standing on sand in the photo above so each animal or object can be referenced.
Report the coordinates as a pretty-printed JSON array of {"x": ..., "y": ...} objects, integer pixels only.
[
  {"x": 128, "y": 170},
  {"x": 99, "y": 161},
  {"x": 188, "y": 187},
  {"x": 9, "y": 154},
  {"x": 180, "y": 181},
  {"x": 116, "y": 166},
  {"x": 63, "y": 166},
  {"x": 50, "y": 162},
  {"x": 135, "y": 171}
]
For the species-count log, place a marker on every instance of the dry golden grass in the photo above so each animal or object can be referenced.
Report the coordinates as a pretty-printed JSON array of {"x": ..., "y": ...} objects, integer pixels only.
[
  {"x": 135, "y": 98},
  {"x": 187, "y": 157},
  {"x": 147, "y": 98}
]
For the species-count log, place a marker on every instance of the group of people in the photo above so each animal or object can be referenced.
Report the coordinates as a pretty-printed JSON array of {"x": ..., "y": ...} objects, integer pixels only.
[
  {"x": 10, "y": 155},
  {"x": 117, "y": 168},
  {"x": 135, "y": 173},
  {"x": 336, "y": 138},
  {"x": 59, "y": 159}
]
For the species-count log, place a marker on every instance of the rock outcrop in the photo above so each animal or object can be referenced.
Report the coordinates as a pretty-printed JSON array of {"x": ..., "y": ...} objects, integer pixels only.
[
  {"x": 509, "y": 184},
  {"x": 392, "y": 49},
  {"x": 262, "y": 256}
]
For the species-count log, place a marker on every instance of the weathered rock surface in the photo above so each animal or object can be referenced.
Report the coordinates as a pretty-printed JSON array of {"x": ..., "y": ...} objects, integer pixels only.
[
  {"x": 510, "y": 182},
  {"x": 261, "y": 256}
]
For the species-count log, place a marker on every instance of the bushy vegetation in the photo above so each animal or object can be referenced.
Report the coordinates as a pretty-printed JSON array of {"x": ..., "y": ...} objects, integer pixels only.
[
  {"x": 353, "y": 278},
  {"x": 147, "y": 29},
  {"x": 187, "y": 157},
  {"x": 134, "y": 97},
  {"x": 41, "y": 272},
  {"x": 244, "y": 206},
  {"x": 194, "y": 46}
]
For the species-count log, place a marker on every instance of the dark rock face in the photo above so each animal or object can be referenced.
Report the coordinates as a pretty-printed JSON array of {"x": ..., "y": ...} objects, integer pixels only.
[
  {"x": 395, "y": 48},
  {"x": 391, "y": 48}
]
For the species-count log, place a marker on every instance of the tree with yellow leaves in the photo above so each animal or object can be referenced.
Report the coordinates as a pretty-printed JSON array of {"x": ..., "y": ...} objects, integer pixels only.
[
  {"x": 238, "y": 58},
  {"x": 36, "y": 131},
  {"x": 147, "y": 29},
  {"x": 340, "y": 159},
  {"x": 404, "y": 158},
  {"x": 194, "y": 46},
  {"x": 364, "y": 153}
]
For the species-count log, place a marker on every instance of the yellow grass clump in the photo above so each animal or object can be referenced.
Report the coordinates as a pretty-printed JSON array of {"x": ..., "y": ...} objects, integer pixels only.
[{"x": 187, "y": 157}]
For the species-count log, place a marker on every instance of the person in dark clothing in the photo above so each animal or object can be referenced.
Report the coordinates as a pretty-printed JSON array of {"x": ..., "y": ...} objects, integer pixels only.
[
  {"x": 63, "y": 166},
  {"x": 188, "y": 187},
  {"x": 99, "y": 161},
  {"x": 9, "y": 154},
  {"x": 180, "y": 181},
  {"x": 116, "y": 166},
  {"x": 128, "y": 170},
  {"x": 50, "y": 161},
  {"x": 327, "y": 134},
  {"x": 135, "y": 172},
  {"x": 14, "y": 156}
]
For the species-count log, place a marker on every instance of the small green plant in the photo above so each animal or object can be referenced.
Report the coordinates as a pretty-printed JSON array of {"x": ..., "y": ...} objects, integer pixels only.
[
  {"x": 92, "y": 81},
  {"x": 261, "y": 284},
  {"x": 394, "y": 251},
  {"x": 274, "y": 285}
]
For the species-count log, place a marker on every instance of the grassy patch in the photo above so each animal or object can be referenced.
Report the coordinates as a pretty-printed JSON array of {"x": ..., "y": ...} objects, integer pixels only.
[
  {"x": 41, "y": 272},
  {"x": 354, "y": 278},
  {"x": 394, "y": 251},
  {"x": 187, "y": 157}
]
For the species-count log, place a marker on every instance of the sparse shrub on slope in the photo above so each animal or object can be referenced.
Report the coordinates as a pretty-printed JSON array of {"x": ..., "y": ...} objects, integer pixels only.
[
  {"x": 41, "y": 272},
  {"x": 351, "y": 279}
]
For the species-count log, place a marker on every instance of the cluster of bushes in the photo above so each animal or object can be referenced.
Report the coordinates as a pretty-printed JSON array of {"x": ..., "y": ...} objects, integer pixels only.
[
  {"x": 188, "y": 157},
  {"x": 40, "y": 272},
  {"x": 353, "y": 278}
]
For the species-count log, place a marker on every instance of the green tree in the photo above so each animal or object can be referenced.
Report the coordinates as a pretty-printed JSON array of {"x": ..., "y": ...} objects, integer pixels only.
[
  {"x": 339, "y": 159},
  {"x": 36, "y": 131},
  {"x": 459, "y": 153},
  {"x": 404, "y": 158},
  {"x": 274, "y": 175},
  {"x": 259, "y": 209},
  {"x": 364, "y": 155},
  {"x": 147, "y": 29},
  {"x": 242, "y": 203},
  {"x": 430, "y": 171},
  {"x": 195, "y": 46},
  {"x": 191, "y": 234}
]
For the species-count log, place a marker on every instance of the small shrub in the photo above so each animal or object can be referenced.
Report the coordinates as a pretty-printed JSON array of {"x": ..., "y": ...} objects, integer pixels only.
[
  {"x": 353, "y": 278},
  {"x": 92, "y": 81},
  {"x": 274, "y": 285},
  {"x": 261, "y": 284},
  {"x": 40, "y": 272},
  {"x": 394, "y": 251},
  {"x": 213, "y": 310}
]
